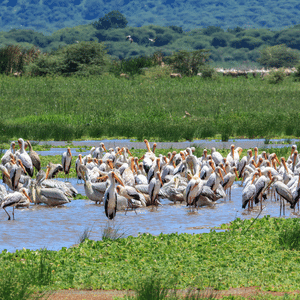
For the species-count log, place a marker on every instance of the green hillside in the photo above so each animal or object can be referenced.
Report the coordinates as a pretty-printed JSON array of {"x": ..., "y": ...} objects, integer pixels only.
[
  {"x": 48, "y": 16},
  {"x": 227, "y": 47}
]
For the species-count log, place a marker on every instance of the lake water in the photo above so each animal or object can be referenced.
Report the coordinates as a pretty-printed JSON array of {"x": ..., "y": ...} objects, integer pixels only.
[{"x": 56, "y": 227}]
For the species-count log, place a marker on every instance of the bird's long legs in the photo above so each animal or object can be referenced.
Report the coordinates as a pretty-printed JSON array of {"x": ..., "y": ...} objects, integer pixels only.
[
  {"x": 7, "y": 213},
  {"x": 280, "y": 206}
]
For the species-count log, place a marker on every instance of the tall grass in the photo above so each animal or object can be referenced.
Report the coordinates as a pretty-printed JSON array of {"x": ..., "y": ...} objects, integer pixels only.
[
  {"x": 288, "y": 236},
  {"x": 20, "y": 281},
  {"x": 153, "y": 288},
  {"x": 113, "y": 231},
  {"x": 68, "y": 108}
]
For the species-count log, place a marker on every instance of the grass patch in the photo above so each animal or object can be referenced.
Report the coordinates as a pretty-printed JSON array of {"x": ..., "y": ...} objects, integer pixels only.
[{"x": 247, "y": 254}]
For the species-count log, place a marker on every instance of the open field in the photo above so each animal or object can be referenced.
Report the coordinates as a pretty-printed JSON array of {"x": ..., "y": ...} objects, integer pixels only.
[
  {"x": 263, "y": 253},
  {"x": 70, "y": 108}
]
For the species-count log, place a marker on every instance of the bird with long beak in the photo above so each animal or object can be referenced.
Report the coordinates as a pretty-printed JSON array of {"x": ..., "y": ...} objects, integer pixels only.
[
  {"x": 287, "y": 173},
  {"x": 110, "y": 196},
  {"x": 12, "y": 200},
  {"x": 94, "y": 191},
  {"x": 192, "y": 190},
  {"x": 294, "y": 160},
  {"x": 215, "y": 179},
  {"x": 155, "y": 168},
  {"x": 6, "y": 157},
  {"x": 255, "y": 155},
  {"x": 249, "y": 192},
  {"x": 103, "y": 147},
  {"x": 149, "y": 153},
  {"x": 130, "y": 193},
  {"x": 154, "y": 187},
  {"x": 229, "y": 180},
  {"x": 66, "y": 161},
  {"x": 261, "y": 186},
  {"x": 78, "y": 163},
  {"x": 25, "y": 158},
  {"x": 169, "y": 168},
  {"x": 15, "y": 173}
]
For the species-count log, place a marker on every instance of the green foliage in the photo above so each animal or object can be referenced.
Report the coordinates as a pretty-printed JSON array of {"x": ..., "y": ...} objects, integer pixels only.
[
  {"x": 113, "y": 232},
  {"x": 20, "y": 281},
  {"x": 48, "y": 16},
  {"x": 132, "y": 66},
  {"x": 277, "y": 76},
  {"x": 113, "y": 19},
  {"x": 152, "y": 265},
  {"x": 289, "y": 236},
  {"x": 82, "y": 59},
  {"x": 296, "y": 75},
  {"x": 278, "y": 56},
  {"x": 246, "y": 42},
  {"x": 208, "y": 72},
  {"x": 13, "y": 58},
  {"x": 188, "y": 63},
  {"x": 55, "y": 108},
  {"x": 212, "y": 29}
]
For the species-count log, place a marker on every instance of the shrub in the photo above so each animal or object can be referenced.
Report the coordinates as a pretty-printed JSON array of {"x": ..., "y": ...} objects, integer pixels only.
[
  {"x": 131, "y": 66},
  {"x": 289, "y": 236},
  {"x": 278, "y": 56},
  {"x": 275, "y": 77},
  {"x": 296, "y": 75},
  {"x": 188, "y": 63},
  {"x": 13, "y": 58},
  {"x": 208, "y": 72},
  {"x": 83, "y": 59},
  {"x": 113, "y": 19}
]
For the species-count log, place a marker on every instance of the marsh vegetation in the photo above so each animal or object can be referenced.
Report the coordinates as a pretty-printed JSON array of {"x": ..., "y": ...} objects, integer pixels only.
[{"x": 147, "y": 107}]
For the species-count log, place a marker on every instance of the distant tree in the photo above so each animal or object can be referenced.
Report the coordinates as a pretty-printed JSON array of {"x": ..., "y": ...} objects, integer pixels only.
[
  {"x": 235, "y": 30},
  {"x": 246, "y": 42},
  {"x": 219, "y": 41},
  {"x": 278, "y": 56},
  {"x": 176, "y": 28},
  {"x": 113, "y": 19},
  {"x": 188, "y": 63},
  {"x": 212, "y": 29}
]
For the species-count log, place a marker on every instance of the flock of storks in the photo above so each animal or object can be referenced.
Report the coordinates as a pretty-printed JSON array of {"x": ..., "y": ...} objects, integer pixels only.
[{"x": 125, "y": 182}]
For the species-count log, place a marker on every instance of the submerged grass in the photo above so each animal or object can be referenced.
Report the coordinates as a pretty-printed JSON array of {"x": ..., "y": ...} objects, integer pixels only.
[
  {"x": 234, "y": 258},
  {"x": 70, "y": 108}
]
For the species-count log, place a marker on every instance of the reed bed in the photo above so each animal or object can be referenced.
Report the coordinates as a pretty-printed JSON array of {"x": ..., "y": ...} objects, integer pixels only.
[{"x": 70, "y": 108}]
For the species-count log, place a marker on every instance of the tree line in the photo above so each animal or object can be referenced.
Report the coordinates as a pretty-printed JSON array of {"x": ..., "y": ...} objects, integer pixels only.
[
  {"x": 86, "y": 45},
  {"x": 226, "y": 46}
]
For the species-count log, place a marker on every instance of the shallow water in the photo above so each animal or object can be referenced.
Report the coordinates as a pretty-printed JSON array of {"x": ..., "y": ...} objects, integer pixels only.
[
  {"x": 57, "y": 227},
  {"x": 244, "y": 143}
]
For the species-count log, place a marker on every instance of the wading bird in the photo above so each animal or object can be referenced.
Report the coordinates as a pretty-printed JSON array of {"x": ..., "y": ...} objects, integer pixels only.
[
  {"x": 66, "y": 161},
  {"x": 12, "y": 200}
]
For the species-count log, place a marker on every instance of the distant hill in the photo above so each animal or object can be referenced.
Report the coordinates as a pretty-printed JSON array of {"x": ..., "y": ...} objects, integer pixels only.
[
  {"x": 227, "y": 47},
  {"x": 48, "y": 16}
]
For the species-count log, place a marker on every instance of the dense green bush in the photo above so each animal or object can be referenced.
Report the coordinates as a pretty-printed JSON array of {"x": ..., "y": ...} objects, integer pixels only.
[
  {"x": 83, "y": 59},
  {"x": 13, "y": 58},
  {"x": 278, "y": 56},
  {"x": 277, "y": 76},
  {"x": 132, "y": 66},
  {"x": 296, "y": 74},
  {"x": 188, "y": 63},
  {"x": 208, "y": 72},
  {"x": 113, "y": 19}
]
